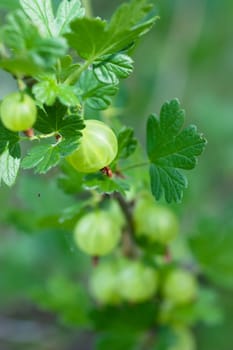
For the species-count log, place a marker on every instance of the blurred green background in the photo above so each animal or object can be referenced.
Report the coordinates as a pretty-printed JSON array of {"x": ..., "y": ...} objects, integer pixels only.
[{"x": 188, "y": 55}]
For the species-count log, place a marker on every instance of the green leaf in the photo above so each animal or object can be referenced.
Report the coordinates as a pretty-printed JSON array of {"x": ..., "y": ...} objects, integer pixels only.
[
  {"x": 95, "y": 94},
  {"x": 127, "y": 143},
  {"x": 66, "y": 13},
  {"x": 212, "y": 247},
  {"x": 67, "y": 67},
  {"x": 170, "y": 148},
  {"x": 28, "y": 52},
  {"x": 41, "y": 14},
  {"x": 104, "y": 184},
  {"x": 44, "y": 157},
  {"x": 48, "y": 90},
  {"x": 109, "y": 69},
  {"x": 9, "y": 167},
  {"x": 93, "y": 37},
  {"x": 56, "y": 119},
  {"x": 70, "y": 181},
  {"x": 10, "y": 140}
]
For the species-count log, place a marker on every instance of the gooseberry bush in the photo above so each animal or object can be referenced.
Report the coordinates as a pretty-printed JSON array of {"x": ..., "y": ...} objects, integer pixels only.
[{"x": 68, "y": 67}]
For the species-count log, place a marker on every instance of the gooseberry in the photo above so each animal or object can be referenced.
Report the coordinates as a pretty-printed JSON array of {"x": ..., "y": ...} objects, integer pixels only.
[
  {"x": 184, "y": 339},
  {"x": 96, "y": 233},
  {"x": 180, "y": 287},
  {"x": 18, "y": 112},
  {"x": 137, "y": 282},
  {"x": 97, "y": 149},
  {"x": 104, "y": 284},
  {"x": 155, "y": 222}
]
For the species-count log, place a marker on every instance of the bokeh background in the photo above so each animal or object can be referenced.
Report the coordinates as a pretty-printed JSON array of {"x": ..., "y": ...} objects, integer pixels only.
[{"x": 189, "y": 55}]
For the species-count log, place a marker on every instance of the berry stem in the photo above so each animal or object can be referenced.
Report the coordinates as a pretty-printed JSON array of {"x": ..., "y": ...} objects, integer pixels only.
[{"x": 129, "y": 247}]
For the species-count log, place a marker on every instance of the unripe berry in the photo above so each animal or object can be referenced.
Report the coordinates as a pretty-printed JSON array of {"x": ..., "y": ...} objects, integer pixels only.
[
  {"x": 18, "y": 112},
  {"x": 96, "y": 233},
  {"x": 98, "y": 148}
]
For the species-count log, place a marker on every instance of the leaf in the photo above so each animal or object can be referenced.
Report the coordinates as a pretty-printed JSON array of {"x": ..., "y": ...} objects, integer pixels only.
[
  {"x": 70, "y": 181},
  {"x": 212, "y": 247},
  {"x": 41, "y": 14},
  {"x": 66, "y": 13},
  {"x": 48, "y": 90},
  {"x": 127, "y": 143},
  {"x": 94, "y": 93},
  {"x": 67, "y": 67},
  {"x": 44, "y": 157},
  {"x": 9, "y": 167},
  {"x": 104, "y": 184},
  {"x": 28, "y": 53},
  {"x": 56, "y": 119},
  {"x": 10, "y": 140},
  {"x": 109, "y": 69},
  {"x": 169, "y": 148},
  {"x": 93, "y": 37}
]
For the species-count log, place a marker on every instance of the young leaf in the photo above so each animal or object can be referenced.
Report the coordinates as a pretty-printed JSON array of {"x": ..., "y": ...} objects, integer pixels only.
[
  {"x": 93, "y": 38},
  {"x": 41, "y": 14},
  {"x": 109, "y": 69},
  {"x": 66, "y": 13},
  {"x": 55, "y": 119},
  {"x": 44, "y": 157},
  {"x": 28, "y": 52},
  {"x": 169, "y": 148},
  {"x": 104, "y": 184},
  {"x": 48, "y": 90},
  {"x": 94, "y": 93},
  {"x": 9, "y": 167},
  {"x": 127, "y": 143}
]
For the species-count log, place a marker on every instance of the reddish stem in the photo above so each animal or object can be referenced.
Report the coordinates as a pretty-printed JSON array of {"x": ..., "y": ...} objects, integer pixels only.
[
  {"x": 29, "y": 132},
  {"x": 95, "y": 260},
  {"x": 168, "y": 256},
  {"x": 107, "y": 171}
]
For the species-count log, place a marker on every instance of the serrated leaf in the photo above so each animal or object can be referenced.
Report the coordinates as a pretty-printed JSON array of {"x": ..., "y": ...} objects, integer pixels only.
[
  {"x": 28, "y": 52},
  {"x": 66, "y": 13},
  {"x": 10, "y": 140},
  {"x": 212, "y": 247},
  {"x": 127, "y": 143},
  {"x": 109, "y": 69},
  {"x": 44, "y": 157},
  {"x": 56, "y": 119},
  {"x": 41, "y": 14},
  {"x": 94, "y": 93},
  {"x": 93, "y": 38},
  {"x": 67, "y": 67},
  {"x": 169, "y": 149},
  {"x": 48, "y": 90},
  {"x": 104, "y": 184},
  {"x": 9, "y": 167}
]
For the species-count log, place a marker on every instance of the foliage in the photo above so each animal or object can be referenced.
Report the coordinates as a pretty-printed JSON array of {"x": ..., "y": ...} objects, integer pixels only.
[{"x": 74, "y": 66}]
